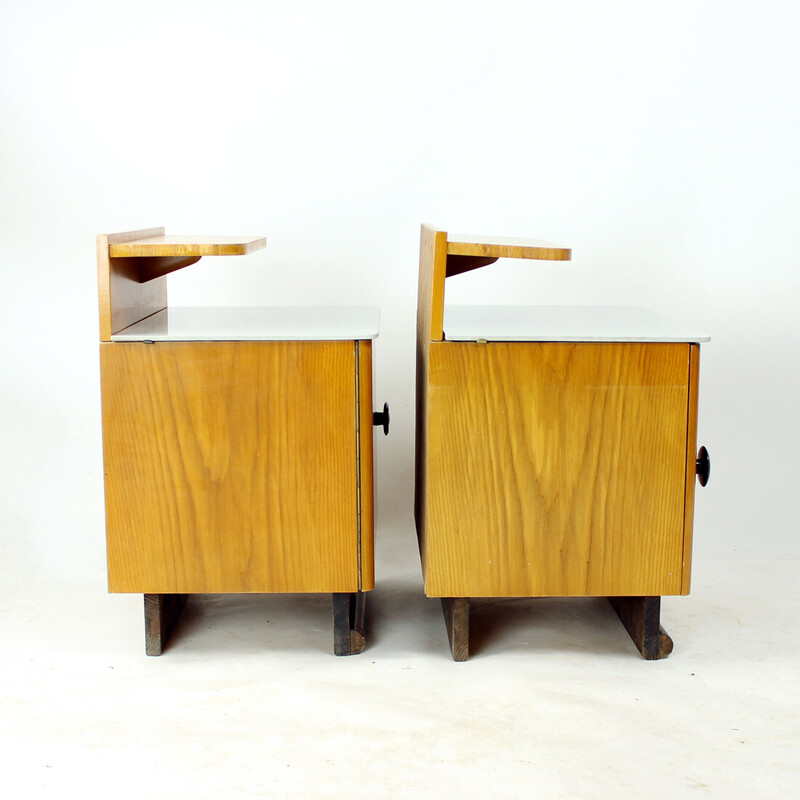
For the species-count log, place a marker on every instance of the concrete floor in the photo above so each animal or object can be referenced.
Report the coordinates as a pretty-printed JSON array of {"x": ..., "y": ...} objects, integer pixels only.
[{"x": 248, "y": 700}]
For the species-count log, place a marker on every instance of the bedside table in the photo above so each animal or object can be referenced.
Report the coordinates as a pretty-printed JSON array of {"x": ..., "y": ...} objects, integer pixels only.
[
  {"x": 555, "y": 448},
  {"x": 238, "y": 443}
]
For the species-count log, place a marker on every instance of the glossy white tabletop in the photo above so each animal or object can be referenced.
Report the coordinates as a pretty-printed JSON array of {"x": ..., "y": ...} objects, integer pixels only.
[
  {"x": 563, "y": 324},
  {"x": 278, "y": 323}
]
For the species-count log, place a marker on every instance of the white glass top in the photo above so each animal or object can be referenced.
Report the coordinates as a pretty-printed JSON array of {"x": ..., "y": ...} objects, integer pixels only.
[
  {"x": 278, "y": 323},
  {"x": 563, "y": 324}
]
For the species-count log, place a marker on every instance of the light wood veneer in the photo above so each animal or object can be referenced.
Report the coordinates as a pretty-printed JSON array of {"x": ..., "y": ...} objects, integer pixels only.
[
  {"x": 231, "y": 467},
  {"x": 238, "y": 444},
  {"x": 556, "y": 469},
  {"x": 549, "y": 468}
]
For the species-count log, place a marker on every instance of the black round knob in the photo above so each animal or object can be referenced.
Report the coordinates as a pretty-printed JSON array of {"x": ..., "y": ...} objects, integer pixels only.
[
  {"x": 703, "y": 466},
  {"x": 382, "y": 418}
]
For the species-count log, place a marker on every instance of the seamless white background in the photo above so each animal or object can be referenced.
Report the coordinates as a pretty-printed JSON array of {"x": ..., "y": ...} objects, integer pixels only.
[{"x": 659, "y": 141}]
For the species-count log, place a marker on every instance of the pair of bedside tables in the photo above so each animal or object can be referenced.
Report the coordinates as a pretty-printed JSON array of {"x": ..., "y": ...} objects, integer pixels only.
[{"x": 554, "y": 447}]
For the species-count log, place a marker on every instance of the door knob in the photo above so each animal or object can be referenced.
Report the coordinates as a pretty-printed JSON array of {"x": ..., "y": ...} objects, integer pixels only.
[
  {"x": 703, "y": 466},
  {"x": 382, "y": 418}
]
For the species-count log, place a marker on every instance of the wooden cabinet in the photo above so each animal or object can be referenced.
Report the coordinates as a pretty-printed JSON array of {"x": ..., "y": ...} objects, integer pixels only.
[
  {"x": 237, "y": 442},
  {"x": 555, "y": 446}
]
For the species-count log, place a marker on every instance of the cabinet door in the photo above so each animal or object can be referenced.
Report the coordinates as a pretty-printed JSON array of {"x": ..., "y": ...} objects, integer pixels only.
[
  {"x": 230, "y": 466},
  {"x": 556, "y": 469}
]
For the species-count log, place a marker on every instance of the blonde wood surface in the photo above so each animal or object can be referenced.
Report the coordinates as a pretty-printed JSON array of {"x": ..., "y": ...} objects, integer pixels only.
[
  {"x": 131, "y": 270},
  {"x": 505, "y": 247},
  {"x": 145, "y": 258},
  {"x": 430, "y": 310},
  {"x": 691, "y": 465},
  {"x": 161, "y": 246},
  {"x": 230, "y": 466},
  {"x": 366, "y": 489},
  {"x": 432, "y": 273},
  {"x": 123, "y": 299},
  {"x": 555, "y": 469},
  {"x": 442, "y": 255}
]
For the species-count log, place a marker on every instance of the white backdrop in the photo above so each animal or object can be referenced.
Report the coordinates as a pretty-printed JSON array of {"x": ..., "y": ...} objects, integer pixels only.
[{"x": 659, "y": 141}]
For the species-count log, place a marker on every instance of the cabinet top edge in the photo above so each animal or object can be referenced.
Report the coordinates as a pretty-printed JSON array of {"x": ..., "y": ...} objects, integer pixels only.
[
  {"x": 247, "y": 323},
  {"x": 564, "y": 324}
]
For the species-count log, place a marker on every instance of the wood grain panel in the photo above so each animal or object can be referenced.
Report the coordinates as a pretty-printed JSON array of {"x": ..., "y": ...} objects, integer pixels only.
[
  {"x": 155, "y": 256},
  {"x": 430, "y": 313},
  {"x": 432, "y": 273},
  {"x": 505, "y": 247},
  {"x": 230, "y": 466},
  {"x": 366, "y": 484},
  {"x": 555, "y": 469},
  {"x": 194, "y": 246},
  {"x": 691, "y": 465},
  {"x": 123, "y": 299}
]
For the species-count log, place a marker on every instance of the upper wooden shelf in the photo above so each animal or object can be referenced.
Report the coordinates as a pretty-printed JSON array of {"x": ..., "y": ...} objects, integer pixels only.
[
  {"x": 187, "y": 246},
  {"x": 159, "y": 255},
  {"x": 443, "y": 255},
  {"x": 132, "y": 265},
  {"x": 465, "y": 253},
  {"x": 505, "y": 247}
]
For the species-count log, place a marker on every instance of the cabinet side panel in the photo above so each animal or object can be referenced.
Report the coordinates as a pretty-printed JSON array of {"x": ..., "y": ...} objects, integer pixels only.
[
  {"x": 556, "y": 469},
  {"x": 691, "y": 449},
  {"x": 430, "y": 312},
  {"x": 366, "y": 466},
  {"x": 230, "y": 466},
  {"x": 430, "y": 289}
]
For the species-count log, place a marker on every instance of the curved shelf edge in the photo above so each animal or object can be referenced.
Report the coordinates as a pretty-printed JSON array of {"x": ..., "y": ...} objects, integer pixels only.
[
  {"x": 505, "y": 247},
  {"x": 159, "y": 255},
  {"x": 164, "y": 246}
]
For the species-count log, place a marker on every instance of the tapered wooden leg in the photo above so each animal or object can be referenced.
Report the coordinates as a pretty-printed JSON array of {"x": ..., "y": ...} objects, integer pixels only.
[
  {"x": 456, "y": 617},
  {"x": 161, "y": 612},
  {"x": 348, "y": 623},
  {"x": 641, "y": 617}
]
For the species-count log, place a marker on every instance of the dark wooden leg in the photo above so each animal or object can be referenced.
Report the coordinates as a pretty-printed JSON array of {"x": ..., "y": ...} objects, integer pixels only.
[
  {"x": 641, "y": 617},
  {"x": 456, "y": 617},
  {"x": 161, "y": 612},
  {"x": 348, "y": 623}
]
